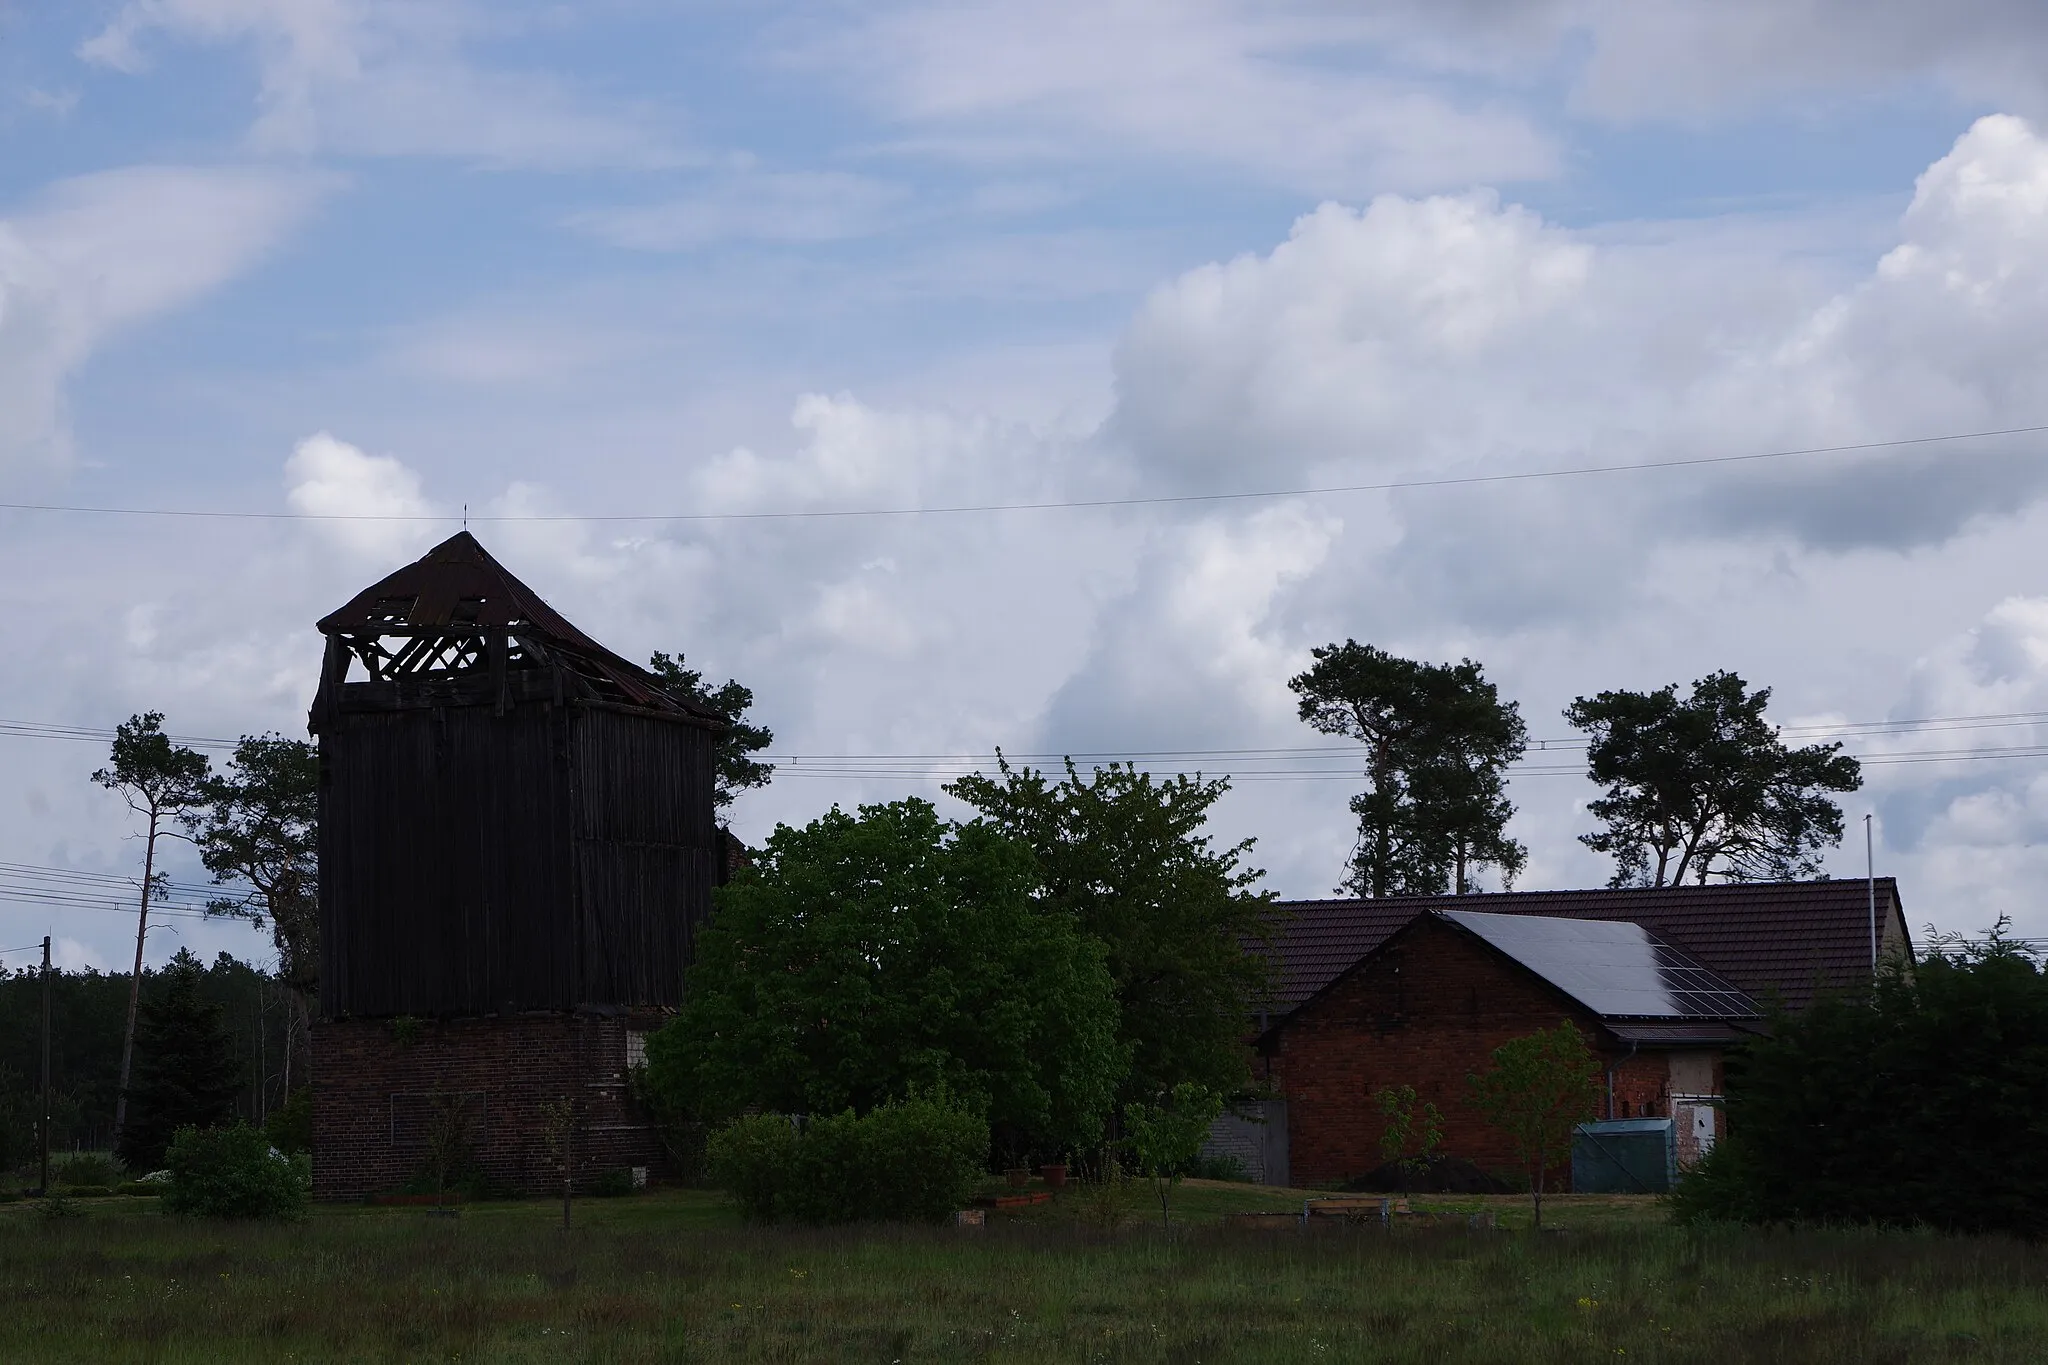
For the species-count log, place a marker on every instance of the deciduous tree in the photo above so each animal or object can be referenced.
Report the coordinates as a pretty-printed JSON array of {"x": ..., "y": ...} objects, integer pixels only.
[
  {"x": 868, "y": 957},
  {"x": 1166, "y": 1137},
  {"x": 1125, "y": 855},
  {"x": 1438, "y": 742},
  {"x": 259, "y": 825},
  {"x": 1703, "y": 786},
  {"x": 1537, "y": 1091},
  {"x": 734, "y": 767}
]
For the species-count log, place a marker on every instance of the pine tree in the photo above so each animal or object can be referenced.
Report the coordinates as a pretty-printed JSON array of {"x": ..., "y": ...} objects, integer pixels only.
[{"x": 185, "y": 1070}]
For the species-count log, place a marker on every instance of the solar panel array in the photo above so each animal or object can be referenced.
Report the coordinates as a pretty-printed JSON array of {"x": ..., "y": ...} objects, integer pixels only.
[{"x": 1616, "y": 969}]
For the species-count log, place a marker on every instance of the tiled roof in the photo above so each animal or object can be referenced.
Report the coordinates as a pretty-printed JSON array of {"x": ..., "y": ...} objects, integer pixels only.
[{"x": 1786, "y": 940}]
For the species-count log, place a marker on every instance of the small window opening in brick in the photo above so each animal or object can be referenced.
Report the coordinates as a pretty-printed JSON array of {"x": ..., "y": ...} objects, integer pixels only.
[{"x": 636, "y": 1049}]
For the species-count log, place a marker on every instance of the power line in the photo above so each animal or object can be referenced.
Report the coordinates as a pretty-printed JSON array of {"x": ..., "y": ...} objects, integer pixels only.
[
  {"x": 1298, "y": 758},
  {"x": 1449, "y": 481},
  {"x": 33, "y": 729},
  {"x": 65, "y": 888}
]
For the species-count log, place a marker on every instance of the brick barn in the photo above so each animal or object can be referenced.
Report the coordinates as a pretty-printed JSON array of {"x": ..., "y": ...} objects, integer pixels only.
[
  {"x": 1419, "y": 991},
  {"x": 517, "y": 843}
]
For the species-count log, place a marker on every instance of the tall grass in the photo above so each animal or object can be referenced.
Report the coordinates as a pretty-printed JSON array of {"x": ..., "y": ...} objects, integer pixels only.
[{"x": 506, "y": 1285}]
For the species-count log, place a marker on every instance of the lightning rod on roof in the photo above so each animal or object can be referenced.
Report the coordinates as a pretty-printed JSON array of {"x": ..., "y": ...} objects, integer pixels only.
[{"x": 1870, "y": 877}]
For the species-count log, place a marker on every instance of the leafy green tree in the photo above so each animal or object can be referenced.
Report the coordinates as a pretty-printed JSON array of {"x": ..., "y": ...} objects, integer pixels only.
[
  {"x": 869, "y": 957},
  {"x": 259, "y": 826},
  {"x": 1409, "y": 1141},
  {"x": 734, "y": 767},
  {"x": 161, "y": 782},
  {"x": 186, "y": 1074},
  {"x": 1915, "y": 1102},
  {"x": 1702, "y": 786},
  {"x": 1166, "y": 1138},
  {"x": 1537, "y": 1091},
  {"x": 1124, "y": 854},
  {"x": 1438, "y": 741}
]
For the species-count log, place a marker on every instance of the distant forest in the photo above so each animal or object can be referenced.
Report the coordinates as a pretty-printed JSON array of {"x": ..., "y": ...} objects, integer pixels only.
[{"x": 87, "y": 1011}]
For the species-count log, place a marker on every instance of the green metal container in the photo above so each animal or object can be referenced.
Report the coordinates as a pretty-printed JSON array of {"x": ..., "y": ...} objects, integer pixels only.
[{"x": 1624, "y": 1156}]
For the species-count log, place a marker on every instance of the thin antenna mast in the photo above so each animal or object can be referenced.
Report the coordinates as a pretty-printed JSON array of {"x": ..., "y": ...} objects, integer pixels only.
[{"x": 1870, "y": 874}]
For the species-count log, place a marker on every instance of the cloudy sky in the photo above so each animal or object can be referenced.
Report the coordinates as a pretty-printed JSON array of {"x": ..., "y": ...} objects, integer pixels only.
[{"x": 577, "y": 268}]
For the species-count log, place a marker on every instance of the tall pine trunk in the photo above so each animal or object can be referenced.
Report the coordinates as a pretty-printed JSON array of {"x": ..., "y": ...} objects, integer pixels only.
[{"x": 135, "y": 981}]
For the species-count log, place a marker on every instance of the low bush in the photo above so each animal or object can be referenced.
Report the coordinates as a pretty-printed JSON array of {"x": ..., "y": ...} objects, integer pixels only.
[
  {"x": 139, "y": 1187},
  {"x": 915, "y": 1160},
  {"x": 233, "y": 1172},
  {"x": 1221, "y": 1166},
  {"x": 88, "y": 1191},
  {"x": 923, "y": 1158},
  {"x": 85, "y": 1168},
  {"x": 290, "y": 1125},
  {"x": 754, "y": 1160},
  {"x": 612, "y": 1184}
]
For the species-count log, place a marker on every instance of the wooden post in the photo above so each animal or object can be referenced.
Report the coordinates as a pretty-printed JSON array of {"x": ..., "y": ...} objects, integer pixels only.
[{"x": 43, "y": 1184}]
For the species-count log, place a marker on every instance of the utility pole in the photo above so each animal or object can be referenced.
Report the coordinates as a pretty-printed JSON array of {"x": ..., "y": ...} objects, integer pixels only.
[
  {"x": 43, "y": 1182},
  {"x": 1870, "y": 876}
]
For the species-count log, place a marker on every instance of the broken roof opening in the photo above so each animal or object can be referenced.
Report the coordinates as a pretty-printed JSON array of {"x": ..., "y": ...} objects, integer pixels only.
[{"x": 457, "y": 611}]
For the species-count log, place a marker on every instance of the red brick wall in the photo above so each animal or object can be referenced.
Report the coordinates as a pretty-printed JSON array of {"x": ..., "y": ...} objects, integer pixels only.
[
  {"x": 374, "y": 1091},
  {"x": 1427, "y": 1013}
]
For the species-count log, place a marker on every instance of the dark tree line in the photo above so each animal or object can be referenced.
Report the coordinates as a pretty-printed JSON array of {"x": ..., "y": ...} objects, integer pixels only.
[{"x": 89, "y": 1007}]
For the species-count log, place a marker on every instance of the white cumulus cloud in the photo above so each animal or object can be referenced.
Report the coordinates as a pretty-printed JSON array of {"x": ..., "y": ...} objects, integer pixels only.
[{"x": 99, "y": 253}]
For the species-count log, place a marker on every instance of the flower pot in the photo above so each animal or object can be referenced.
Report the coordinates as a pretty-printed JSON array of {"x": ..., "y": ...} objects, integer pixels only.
[
  {"x": 1019, "y": 1176},
  {"x": 1055, "y": 1176}
]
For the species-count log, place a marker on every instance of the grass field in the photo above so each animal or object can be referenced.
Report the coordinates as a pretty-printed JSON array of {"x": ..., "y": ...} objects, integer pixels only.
[{"x": 673, "y": 1277}]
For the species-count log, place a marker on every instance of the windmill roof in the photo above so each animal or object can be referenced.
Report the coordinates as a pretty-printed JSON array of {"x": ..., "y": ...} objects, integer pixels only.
[{"x": 458, "y": 586}]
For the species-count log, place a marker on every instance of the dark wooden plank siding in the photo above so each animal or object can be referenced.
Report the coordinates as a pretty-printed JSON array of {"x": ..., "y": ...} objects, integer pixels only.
[
  {"x": 645, "y": 846},
  {"x": 446, "y": 880},
  {"x": 543, "y": 858}
]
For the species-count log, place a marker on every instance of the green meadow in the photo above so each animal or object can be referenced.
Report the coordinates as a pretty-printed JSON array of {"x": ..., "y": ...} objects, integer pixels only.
[{"x": 674, "y": 1276}]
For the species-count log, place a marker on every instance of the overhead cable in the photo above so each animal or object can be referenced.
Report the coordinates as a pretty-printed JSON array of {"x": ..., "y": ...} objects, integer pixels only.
[{"x": 1156, "y": 500}]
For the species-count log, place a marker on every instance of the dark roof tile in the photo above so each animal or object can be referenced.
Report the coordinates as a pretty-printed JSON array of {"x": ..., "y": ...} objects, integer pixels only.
[{"x": 1788, "y": 940}]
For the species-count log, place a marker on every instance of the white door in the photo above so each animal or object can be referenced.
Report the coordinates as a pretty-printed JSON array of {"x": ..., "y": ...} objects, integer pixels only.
[{"x": 1702, "y": 1128}]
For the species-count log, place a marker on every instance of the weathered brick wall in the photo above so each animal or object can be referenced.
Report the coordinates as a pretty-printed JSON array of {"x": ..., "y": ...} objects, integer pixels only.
[
  {"x": 377, "y": 1091},
  {"x": 1426, "y": 1014}
]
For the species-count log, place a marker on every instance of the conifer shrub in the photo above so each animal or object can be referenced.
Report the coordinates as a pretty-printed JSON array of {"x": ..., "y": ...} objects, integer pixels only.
[{"x": 233, "y": 1172}]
